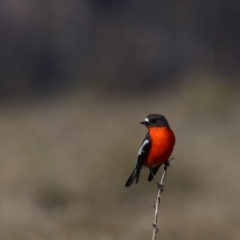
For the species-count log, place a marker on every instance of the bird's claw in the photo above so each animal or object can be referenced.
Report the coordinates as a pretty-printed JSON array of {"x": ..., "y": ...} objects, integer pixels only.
[
  {"x": 167, "y": 164},
  {"x": 160, "y": 186}
]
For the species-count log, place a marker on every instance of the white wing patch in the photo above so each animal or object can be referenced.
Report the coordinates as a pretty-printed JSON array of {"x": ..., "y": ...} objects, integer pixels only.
[{"x": 141, "y": 148}]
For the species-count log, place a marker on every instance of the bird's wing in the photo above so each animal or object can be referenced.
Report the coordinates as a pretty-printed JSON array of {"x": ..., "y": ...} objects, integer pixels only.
[{"x": 142, "y": 154}]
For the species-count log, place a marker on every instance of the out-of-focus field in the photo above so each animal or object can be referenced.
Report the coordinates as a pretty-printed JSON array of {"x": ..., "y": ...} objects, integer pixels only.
[{"x": 64, "y": 163}]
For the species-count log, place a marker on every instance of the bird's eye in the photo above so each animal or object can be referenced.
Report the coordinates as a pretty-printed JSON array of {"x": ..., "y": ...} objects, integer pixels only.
[{"x": 154, "y": 120}]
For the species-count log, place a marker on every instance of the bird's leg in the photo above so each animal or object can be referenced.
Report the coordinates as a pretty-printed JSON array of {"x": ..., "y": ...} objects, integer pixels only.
[
  {"x": 159, "y": 185},
  {"x": 167, "y": 163}
]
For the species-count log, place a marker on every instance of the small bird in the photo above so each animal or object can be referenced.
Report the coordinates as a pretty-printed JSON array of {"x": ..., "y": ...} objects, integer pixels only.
[{"x": 156, "y": 147}]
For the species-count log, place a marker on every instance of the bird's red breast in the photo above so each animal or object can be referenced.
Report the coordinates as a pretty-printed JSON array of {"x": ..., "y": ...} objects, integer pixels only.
[{"x": 162, "y": 140}]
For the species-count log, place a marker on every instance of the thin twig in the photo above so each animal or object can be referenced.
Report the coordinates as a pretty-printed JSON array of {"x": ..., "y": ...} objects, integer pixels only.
[{"x": 158, "y": 200}]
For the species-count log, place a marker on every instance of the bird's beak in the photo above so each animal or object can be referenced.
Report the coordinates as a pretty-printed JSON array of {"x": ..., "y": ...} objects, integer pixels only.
[{"x": 146, "y": 122}]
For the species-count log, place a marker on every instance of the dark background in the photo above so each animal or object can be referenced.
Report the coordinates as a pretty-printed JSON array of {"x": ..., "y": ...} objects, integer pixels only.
[{"x": 76, "y": 78}]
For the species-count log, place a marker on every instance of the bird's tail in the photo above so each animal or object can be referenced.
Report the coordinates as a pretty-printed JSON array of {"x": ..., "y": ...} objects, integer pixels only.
[{"x": 134, "y": 175}]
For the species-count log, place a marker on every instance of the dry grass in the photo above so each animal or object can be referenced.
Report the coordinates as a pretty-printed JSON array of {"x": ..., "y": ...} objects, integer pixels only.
[{"x": 64, "y": 163}]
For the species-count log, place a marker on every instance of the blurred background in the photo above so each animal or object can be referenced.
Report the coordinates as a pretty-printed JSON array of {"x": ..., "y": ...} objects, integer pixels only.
[{"x": 77, "y": 77}]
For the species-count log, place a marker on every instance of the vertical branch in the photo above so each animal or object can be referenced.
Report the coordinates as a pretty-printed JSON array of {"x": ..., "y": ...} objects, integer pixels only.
[{"x": 158, "y": 200}]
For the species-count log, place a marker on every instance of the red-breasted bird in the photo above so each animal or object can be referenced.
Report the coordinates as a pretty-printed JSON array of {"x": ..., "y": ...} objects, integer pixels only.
[{"x": 156, "y": 147}]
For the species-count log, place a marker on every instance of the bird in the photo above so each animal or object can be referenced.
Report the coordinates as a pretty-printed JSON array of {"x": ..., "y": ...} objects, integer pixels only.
[{"x": 156, "y": 147}]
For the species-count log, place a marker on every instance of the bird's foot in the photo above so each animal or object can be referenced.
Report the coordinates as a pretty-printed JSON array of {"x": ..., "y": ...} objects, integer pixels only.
[
  {"x": 167, "y": 164},
  {"x": 160, "y": 186}
]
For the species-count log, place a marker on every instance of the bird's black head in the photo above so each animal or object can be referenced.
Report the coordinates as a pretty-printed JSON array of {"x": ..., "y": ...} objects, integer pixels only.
[{"x": 155, "y": 120}]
